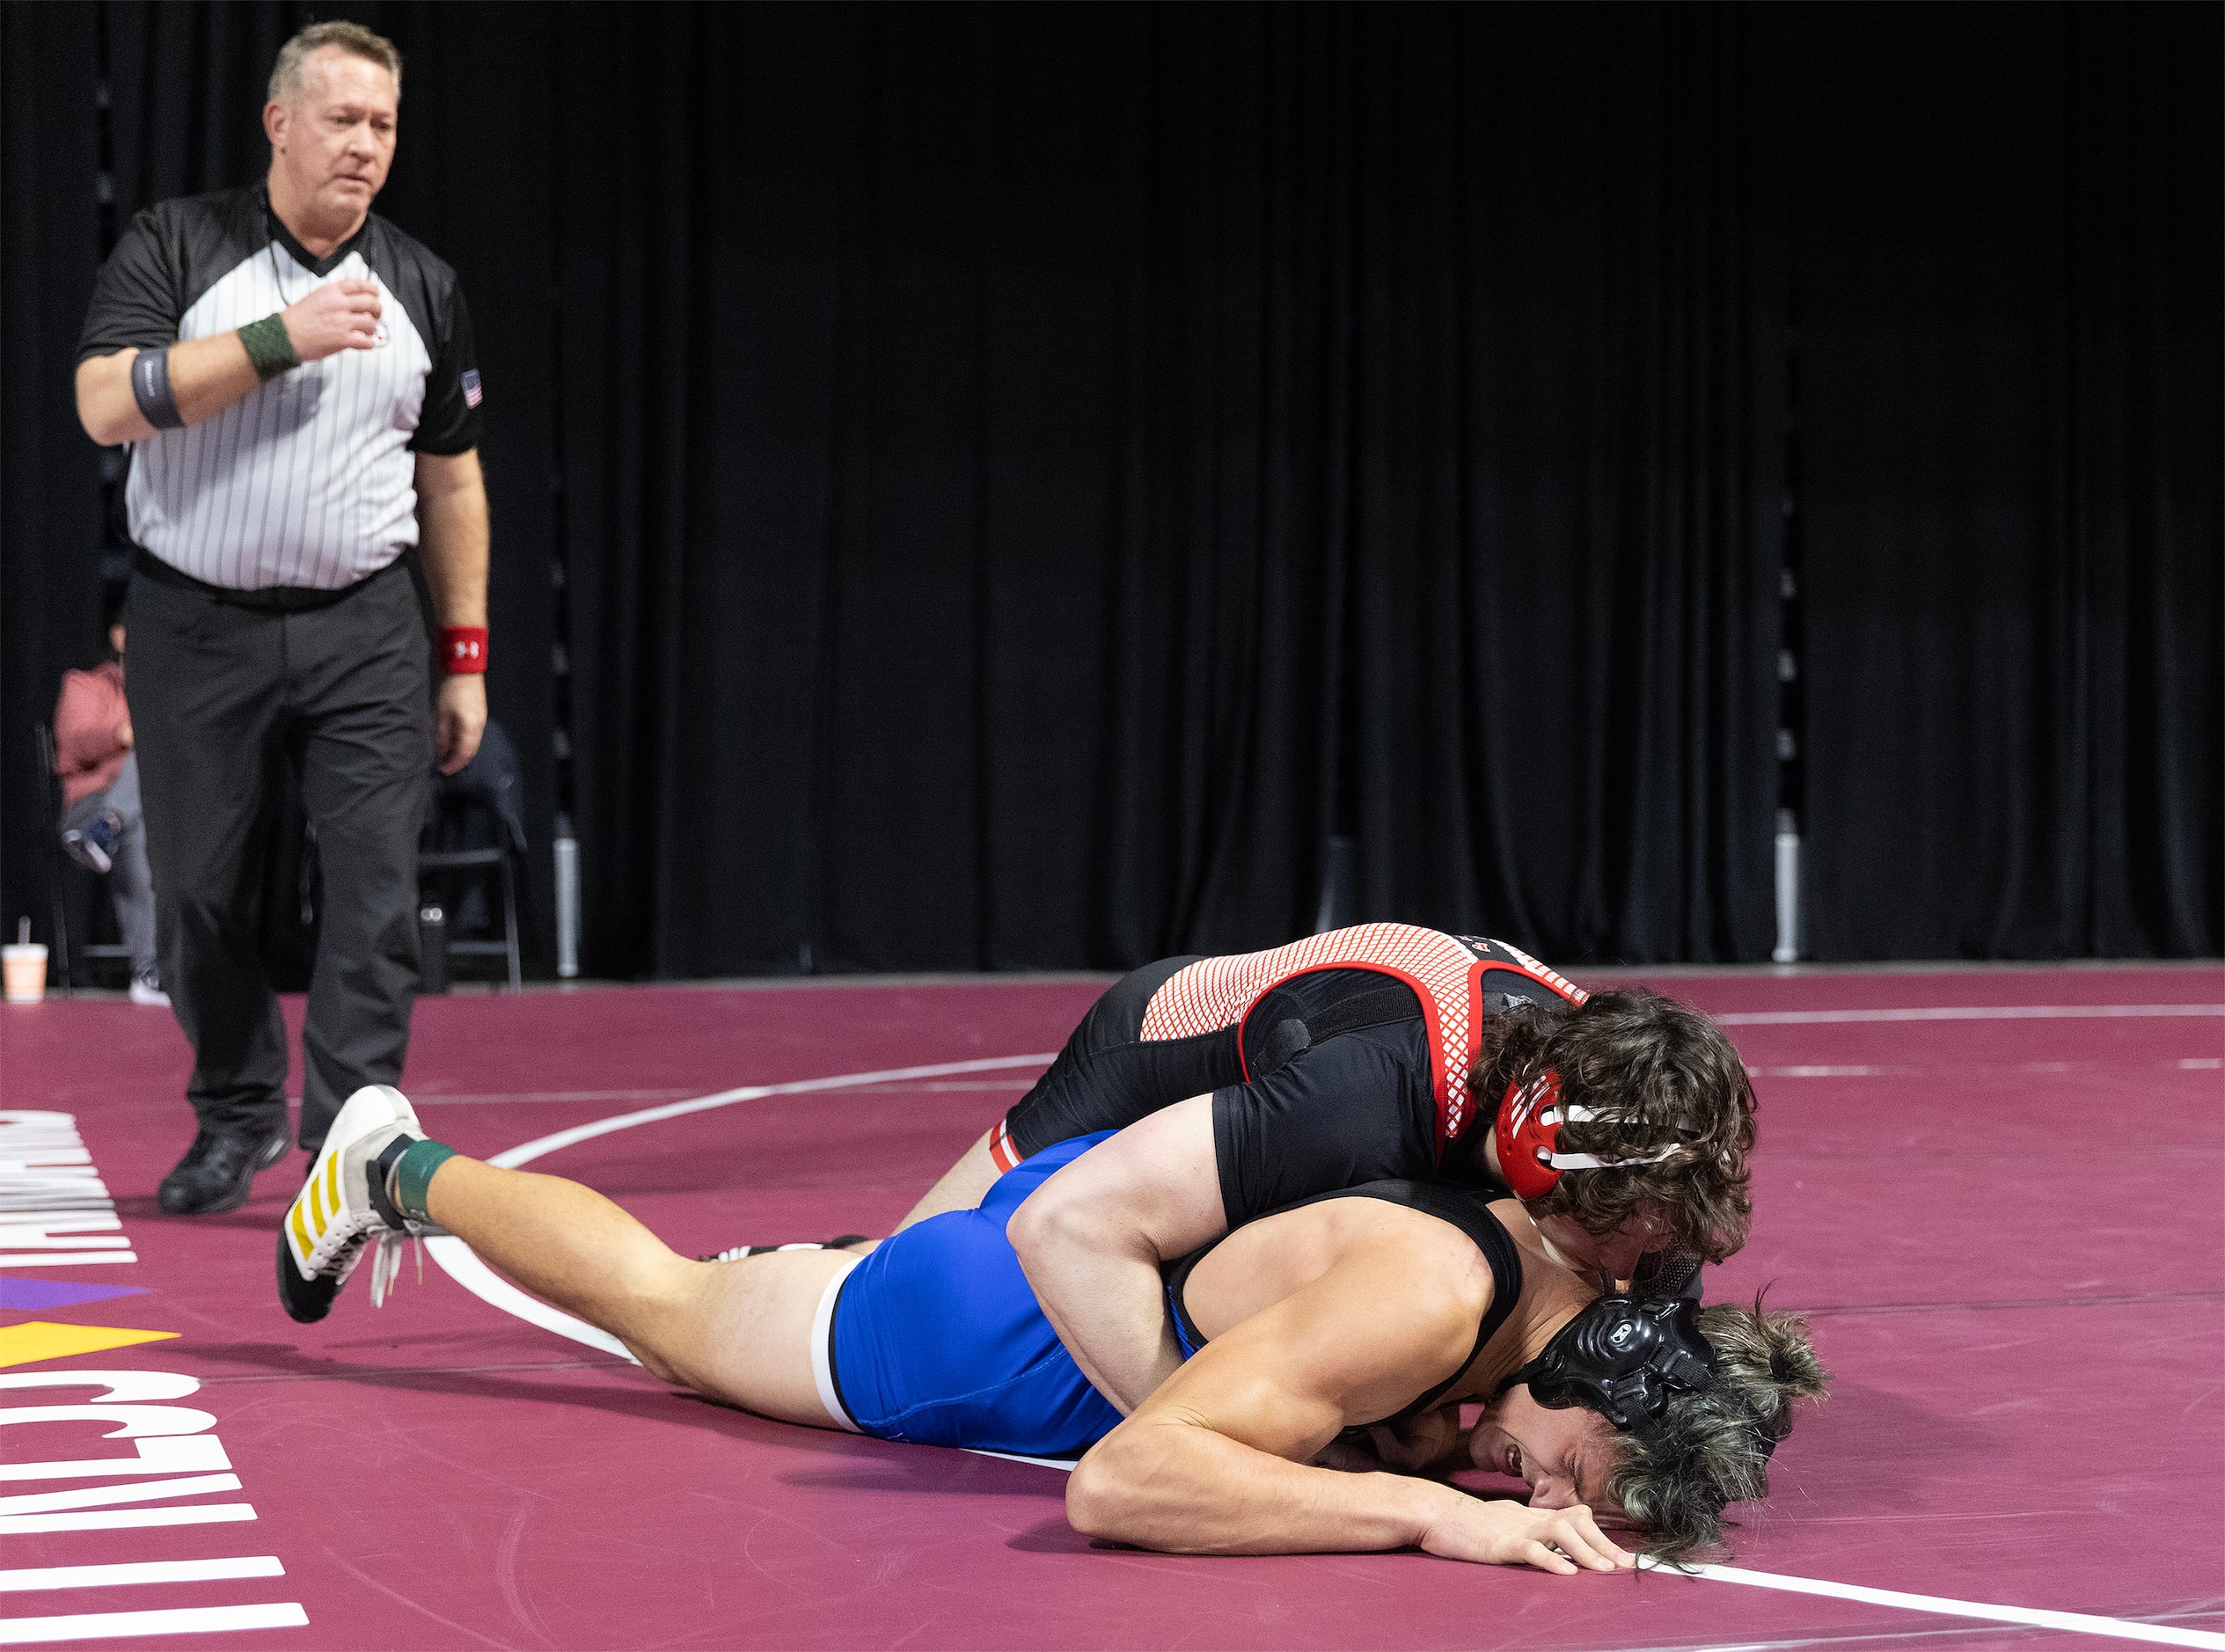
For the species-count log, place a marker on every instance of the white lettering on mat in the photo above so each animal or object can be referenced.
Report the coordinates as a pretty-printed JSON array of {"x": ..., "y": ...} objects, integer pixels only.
[{"x": 133, "y": 1406}]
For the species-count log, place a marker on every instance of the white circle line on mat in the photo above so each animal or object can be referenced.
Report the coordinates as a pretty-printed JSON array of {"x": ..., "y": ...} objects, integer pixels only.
[
  {"x": 2071, "y": 1622},
  {"x": 454, "y": 1257}
]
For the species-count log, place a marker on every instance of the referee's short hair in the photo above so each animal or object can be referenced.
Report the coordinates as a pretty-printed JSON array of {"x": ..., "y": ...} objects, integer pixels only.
[{"x": 352, "y": 38}]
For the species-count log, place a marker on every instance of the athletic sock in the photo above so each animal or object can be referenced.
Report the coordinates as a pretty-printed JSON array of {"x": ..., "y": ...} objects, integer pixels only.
[{"x": 412, "y": 1175}]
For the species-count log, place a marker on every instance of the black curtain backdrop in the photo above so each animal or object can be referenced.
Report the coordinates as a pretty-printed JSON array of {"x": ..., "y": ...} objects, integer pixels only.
[
  {"x": 1566, "y": 534},
  {"x": 50, "y": 528},
  {"x": 1030, "y": 475},
  {"x": 2010, "y": 353}
]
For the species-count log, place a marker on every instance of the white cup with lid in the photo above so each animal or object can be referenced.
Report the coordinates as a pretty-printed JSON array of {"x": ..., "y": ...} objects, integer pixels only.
[{"x": 23, "y": 967}]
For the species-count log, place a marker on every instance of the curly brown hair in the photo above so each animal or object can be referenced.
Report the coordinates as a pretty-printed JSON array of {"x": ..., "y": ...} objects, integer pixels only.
[
  {"x": 1656, "y": 1075},
  {"x": 1711, "y": 1448}
]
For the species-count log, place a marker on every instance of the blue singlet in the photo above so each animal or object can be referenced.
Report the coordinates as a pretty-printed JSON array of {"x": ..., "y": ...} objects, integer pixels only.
[{"x": 937, "y": 1339}]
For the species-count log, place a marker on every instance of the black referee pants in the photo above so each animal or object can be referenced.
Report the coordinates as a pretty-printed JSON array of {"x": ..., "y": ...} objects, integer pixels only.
[{"x": 221, "y": 696}]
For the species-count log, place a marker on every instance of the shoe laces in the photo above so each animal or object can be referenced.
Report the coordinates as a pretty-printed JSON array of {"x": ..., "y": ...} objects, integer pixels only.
[{"x": 386, "y": 1263}]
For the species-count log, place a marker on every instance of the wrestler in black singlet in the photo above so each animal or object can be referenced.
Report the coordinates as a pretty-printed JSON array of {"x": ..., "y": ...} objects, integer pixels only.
[{"x": 1349, "y": 1104}]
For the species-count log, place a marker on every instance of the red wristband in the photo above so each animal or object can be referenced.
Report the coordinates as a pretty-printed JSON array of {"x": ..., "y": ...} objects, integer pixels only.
[{"x": 463, "y": 648}]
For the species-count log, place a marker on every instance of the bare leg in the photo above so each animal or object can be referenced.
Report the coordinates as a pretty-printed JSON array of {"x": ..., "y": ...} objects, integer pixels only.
[
  {"x": 737, "y": 1331},
  {"x": 962, "y": 1186}
]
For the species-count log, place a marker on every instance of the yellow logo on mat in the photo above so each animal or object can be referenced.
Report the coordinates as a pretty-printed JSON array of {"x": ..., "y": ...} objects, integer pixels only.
[{"x": 37, "y": 1340}]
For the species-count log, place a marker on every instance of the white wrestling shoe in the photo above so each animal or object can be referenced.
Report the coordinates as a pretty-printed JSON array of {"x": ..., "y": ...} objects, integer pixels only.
[{"x": 344, "y": 1206}]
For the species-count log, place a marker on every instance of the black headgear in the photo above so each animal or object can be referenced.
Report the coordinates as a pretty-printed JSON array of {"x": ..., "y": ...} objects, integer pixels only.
[{"x": 1624, "y": 1356}]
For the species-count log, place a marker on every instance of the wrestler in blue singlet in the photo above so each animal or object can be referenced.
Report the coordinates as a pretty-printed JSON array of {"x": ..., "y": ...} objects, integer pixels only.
[{"x": 937, "y": 1337}]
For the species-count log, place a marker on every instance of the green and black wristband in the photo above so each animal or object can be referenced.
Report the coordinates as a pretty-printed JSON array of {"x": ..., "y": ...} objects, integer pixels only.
[{"x": 268, "y": 348}]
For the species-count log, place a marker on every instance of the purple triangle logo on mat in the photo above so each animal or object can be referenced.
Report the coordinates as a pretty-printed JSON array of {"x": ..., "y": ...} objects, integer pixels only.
[{"x": 59, "y": 1293}]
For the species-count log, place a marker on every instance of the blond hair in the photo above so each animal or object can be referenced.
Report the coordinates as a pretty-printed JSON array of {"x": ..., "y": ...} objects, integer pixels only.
[
  {"x": 352, "y": 38},
  {"x": 1712, "y": 1448}
]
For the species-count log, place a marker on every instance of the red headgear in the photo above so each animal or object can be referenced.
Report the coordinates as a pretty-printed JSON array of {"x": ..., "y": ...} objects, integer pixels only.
[{"x": 1528, "y": 1132}]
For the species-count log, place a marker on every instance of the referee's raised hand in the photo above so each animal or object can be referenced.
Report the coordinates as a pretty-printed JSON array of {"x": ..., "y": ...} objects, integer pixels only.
[{"x": 339, "y": 315}]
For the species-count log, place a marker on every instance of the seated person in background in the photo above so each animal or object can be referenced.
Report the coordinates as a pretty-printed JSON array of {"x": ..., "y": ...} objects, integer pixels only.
[
  {"x": 1378, "y": 1309},
  {"x": 100, "y": 822},
  {"x": 1240, "y": 1083}
]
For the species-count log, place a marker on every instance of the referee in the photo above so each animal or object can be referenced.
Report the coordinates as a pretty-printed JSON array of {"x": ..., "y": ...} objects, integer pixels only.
[{"x": 297, "y": 381}]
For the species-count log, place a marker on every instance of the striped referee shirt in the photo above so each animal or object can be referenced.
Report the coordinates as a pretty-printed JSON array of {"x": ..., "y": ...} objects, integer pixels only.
[{"x": 310, "y": 480}]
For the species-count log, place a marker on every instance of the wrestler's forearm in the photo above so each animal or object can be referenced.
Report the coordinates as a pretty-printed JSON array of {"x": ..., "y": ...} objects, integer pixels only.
[
  {"x": 1179, "y": 1486},
  {"x": 1091, "y": 1240},
  {"x": 1111, "y": 1314},
  {"x": 1172, "y": 1484}
]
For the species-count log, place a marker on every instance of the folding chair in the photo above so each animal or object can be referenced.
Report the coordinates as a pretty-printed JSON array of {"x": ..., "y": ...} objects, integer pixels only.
[
  {"x": 57, "y": 888},
  {"x": 472, "y": 827}
]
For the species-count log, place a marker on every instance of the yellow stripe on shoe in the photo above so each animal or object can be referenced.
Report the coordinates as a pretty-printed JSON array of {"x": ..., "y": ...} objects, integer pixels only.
[{"x": 303, "y": 1246}]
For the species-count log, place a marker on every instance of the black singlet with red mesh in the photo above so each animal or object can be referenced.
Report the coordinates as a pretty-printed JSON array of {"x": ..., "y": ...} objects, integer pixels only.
[{"x": 1331, "y": 1079}]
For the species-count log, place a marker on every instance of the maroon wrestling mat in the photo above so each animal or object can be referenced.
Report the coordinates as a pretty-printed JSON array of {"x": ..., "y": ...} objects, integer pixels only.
[{"x": 2001, "y": 1194}]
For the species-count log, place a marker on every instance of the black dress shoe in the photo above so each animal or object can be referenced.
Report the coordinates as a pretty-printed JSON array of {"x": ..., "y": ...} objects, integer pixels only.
[{"x": 218, "y": 1171}]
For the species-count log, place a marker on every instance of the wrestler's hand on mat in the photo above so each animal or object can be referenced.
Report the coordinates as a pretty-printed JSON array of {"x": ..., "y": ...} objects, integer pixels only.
[{"x": 1501, "y": 1533}]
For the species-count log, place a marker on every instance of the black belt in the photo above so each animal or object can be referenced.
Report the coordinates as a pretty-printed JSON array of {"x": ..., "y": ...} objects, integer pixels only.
[{"x": 272, "y": 599}]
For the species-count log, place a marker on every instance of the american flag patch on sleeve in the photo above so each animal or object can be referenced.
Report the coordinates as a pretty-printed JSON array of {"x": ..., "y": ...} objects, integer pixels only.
[{"x": 471, "y": 387}]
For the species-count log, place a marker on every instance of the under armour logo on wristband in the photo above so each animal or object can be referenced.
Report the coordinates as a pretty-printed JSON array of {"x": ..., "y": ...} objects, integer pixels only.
[{"x": 464, "y": 648}]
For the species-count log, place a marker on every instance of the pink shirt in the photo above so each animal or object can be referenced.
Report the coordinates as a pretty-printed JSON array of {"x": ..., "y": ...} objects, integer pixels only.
[{"x": 90, "y": 717}]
